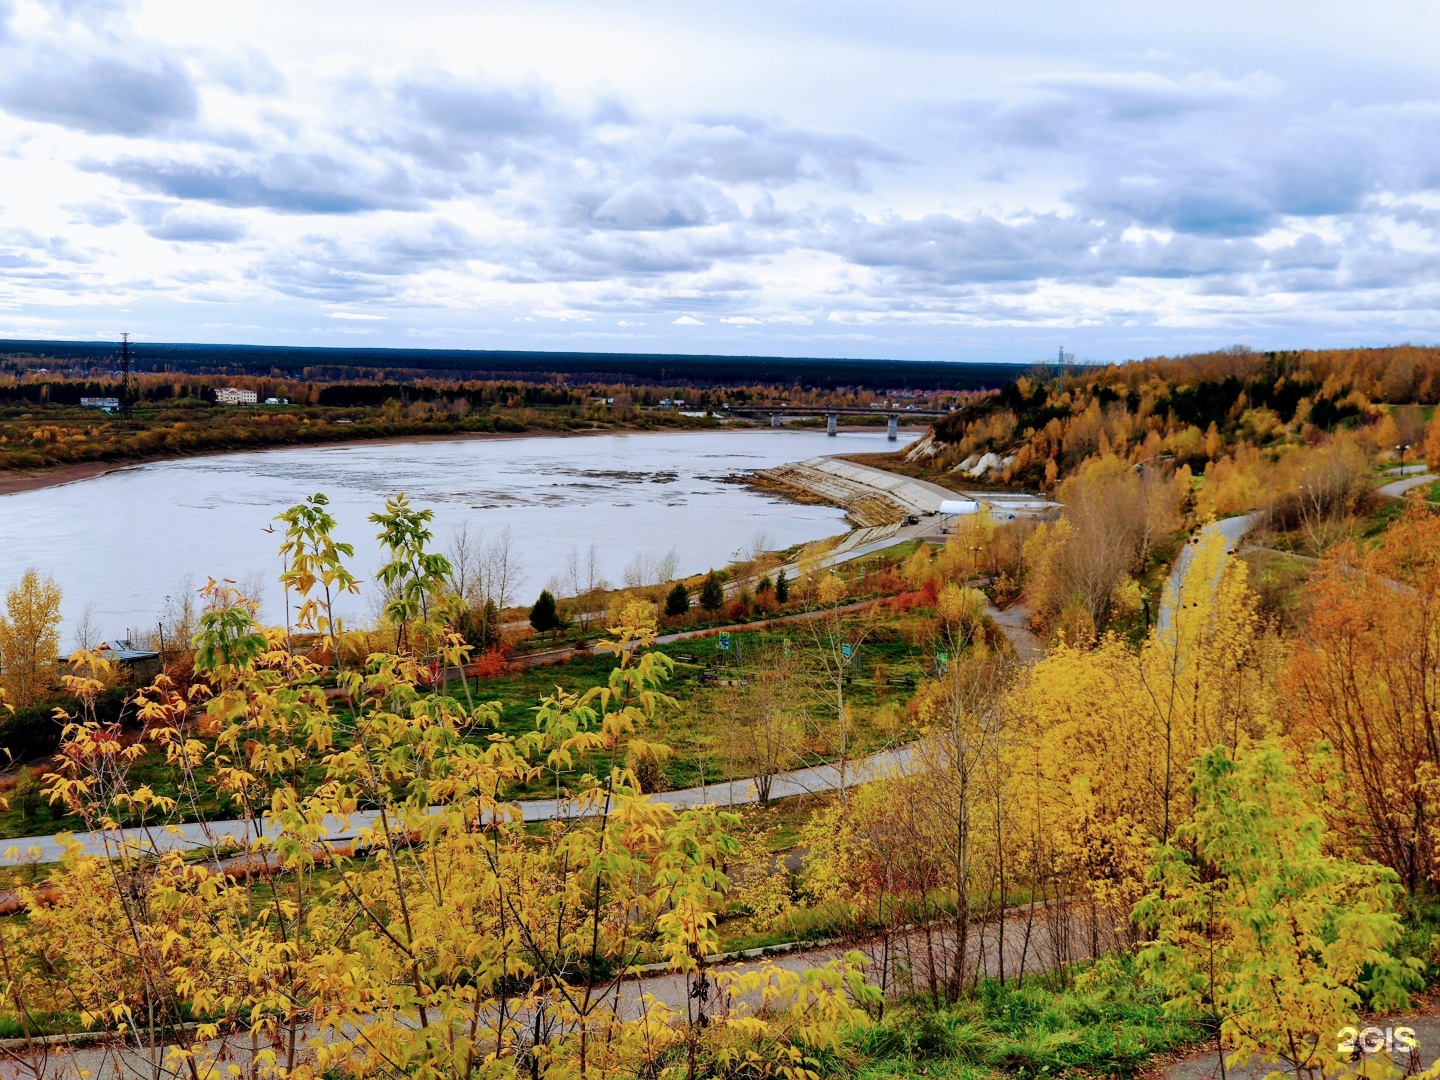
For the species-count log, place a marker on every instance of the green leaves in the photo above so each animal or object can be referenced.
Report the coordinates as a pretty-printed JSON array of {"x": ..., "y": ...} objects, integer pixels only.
[{"x": 1257, "y": 922}]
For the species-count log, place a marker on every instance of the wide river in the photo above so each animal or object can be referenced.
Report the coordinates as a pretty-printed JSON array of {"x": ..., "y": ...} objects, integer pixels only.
[{"x": 121, "y": 544}]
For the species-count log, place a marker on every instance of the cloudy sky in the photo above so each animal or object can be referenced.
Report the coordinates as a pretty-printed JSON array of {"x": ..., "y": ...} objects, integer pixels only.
[{"x": 917, "y": 180}]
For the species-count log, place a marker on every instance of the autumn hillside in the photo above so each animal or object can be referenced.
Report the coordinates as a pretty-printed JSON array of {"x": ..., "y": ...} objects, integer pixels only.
[{"x": 1194, "y": 412}]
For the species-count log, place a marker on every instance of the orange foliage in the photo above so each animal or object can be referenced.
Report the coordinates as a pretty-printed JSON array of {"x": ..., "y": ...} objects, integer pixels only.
[
  {"x": 1364, "y": 680},
  {"x": 491, "y": 664}
]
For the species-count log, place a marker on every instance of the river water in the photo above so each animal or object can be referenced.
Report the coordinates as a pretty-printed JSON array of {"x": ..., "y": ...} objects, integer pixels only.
[{"x": 121, "y": 544}]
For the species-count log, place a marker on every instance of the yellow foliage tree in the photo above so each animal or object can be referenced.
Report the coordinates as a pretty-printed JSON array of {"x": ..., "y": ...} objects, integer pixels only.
[
  {"x": 1258, "y": 923},
  {"x": 30, "y": 639},
  {"x": 1432, "y": 442},
  {"x": 1110, "y": 734},
  {"x": 446, "y": 938}
]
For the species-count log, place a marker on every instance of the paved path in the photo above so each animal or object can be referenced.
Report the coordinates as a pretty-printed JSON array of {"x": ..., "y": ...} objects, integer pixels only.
[
  {"x": 1232, "y": 529},
  {"x": 1397, "y": 488},
  {"x": 1425, "y": 1027},
  {"x": 192, "y": 835},
  {"x": 1407, "y": 470},
  {"x": 1024, "y": 940}
]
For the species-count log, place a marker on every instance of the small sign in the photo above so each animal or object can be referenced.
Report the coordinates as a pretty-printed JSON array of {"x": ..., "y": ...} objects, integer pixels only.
[
  {"x": 724, "y": 642},
  {"x": 942, "y": 661},
  {"x": 846, "y": 649}
]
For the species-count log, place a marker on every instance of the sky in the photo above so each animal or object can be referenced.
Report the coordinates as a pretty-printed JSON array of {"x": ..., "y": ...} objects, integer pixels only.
[{"x": 922, "y": 180}]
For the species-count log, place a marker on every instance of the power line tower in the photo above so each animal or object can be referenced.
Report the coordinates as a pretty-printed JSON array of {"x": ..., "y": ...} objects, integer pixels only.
[
  {"x": 1061, "y": 359},
  {"x": 125, "y": 375}
]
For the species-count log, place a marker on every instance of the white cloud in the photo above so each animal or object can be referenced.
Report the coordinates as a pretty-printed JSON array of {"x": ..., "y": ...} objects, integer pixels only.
[{"x": 958, "y": 179}]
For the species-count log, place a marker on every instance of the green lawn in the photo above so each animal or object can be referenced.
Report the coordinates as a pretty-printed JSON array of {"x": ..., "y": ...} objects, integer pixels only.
[{"x": 691, "y": 730}]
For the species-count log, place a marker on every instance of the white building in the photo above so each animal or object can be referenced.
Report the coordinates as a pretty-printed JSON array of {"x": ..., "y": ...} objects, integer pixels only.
[
  {"x": 230, "y": 395},
  {"x": 106, "y": 404}
]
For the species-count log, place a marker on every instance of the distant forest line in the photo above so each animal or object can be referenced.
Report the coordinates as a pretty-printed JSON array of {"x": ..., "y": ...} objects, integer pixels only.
[{"x": 338, "y": 364}]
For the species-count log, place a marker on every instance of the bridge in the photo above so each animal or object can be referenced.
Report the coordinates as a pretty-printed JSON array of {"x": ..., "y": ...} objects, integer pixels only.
[{"x": 832, "y": 414}]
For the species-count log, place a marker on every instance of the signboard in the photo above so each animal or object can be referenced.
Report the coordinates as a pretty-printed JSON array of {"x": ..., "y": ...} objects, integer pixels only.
[
  {"x": 724, "y": 642},
  {"x": 942, "y": 661},
  {"x": 845, "y": 650}
]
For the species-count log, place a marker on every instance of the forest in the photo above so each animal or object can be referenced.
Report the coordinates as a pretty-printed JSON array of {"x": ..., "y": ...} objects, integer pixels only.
[
  {"x": 337, "y": 365},
  {"x": 45, "y": 421},
  {"x": 1105, "y": 789}
]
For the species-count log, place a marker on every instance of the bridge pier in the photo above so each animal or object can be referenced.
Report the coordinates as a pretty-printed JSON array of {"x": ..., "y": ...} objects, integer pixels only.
[
  {"x": 777, "y": 419},
  {"x": 893, "y": 431},
  {"x": 832, "y": 424}
]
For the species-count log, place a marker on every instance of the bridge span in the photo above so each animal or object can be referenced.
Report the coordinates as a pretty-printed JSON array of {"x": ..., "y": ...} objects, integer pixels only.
[{"x": 832, "y": 414}]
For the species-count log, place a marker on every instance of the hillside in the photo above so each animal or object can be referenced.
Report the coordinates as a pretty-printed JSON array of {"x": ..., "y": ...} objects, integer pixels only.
[{"x": 1191, "y": 411}]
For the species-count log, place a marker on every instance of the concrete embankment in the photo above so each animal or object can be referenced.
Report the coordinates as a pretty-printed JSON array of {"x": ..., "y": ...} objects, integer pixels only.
[
  {"x": 870, "y": 496},
  {"x": 873, "y": 496}
]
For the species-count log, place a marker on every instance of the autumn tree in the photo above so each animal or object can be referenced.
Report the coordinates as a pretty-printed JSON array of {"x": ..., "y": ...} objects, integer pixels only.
[
  {"x": 959, "y": 762},
  {"x": 834, "y": 638},
  {"x": 315, "y": 571},
  {"x": 1106, "y": 737},
  {"x": 1432, "y": 442},
  {"x": 415, "y": 581},
  {"x": 1363, "y": 680},
  {"x": 762, "y": 718},
  {"x": 1256, "y": 922},
  {"x": 447, "y": 938},
  {"x": 1113, "y": 516},
  {"x": 30, "y": 639}
]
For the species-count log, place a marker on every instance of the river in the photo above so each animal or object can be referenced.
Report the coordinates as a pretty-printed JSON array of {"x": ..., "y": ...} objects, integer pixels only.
[{"x": 122, "y": 543}]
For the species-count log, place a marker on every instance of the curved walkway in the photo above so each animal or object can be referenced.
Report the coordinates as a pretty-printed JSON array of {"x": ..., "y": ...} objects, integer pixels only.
[
  {"x": 1232, "y": 529},
  {"x": 1397, "y": 488}
]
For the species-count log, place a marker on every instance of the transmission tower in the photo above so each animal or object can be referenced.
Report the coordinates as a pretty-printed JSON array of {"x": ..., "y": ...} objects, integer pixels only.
[{"x": 125, "y": 375}]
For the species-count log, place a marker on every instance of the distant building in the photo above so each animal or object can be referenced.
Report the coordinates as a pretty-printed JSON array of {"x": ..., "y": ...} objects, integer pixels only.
[
  {"x": 143, "y": 663},
  {"x": 277, "y": 401},
  {"x": 230, "y": 395},
  {"x": 105, "y": 404}
]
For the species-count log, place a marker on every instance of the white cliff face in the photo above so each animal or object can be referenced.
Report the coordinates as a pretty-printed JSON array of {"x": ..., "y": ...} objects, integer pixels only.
[
  {"x": 974, "y": 466},
  {"x": 924, "y": 448},
  {"x": 977, "y": 465}
]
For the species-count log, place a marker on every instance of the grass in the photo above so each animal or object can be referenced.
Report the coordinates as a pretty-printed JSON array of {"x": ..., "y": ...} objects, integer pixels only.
[
  {"x": 1105, "y": 1022},
  {"x": 1279, "y": 582},
  {"x": 694, "y": 730}
]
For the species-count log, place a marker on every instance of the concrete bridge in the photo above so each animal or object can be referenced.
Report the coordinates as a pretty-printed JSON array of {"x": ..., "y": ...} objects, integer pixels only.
[{"x": 832, "y": 414}]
